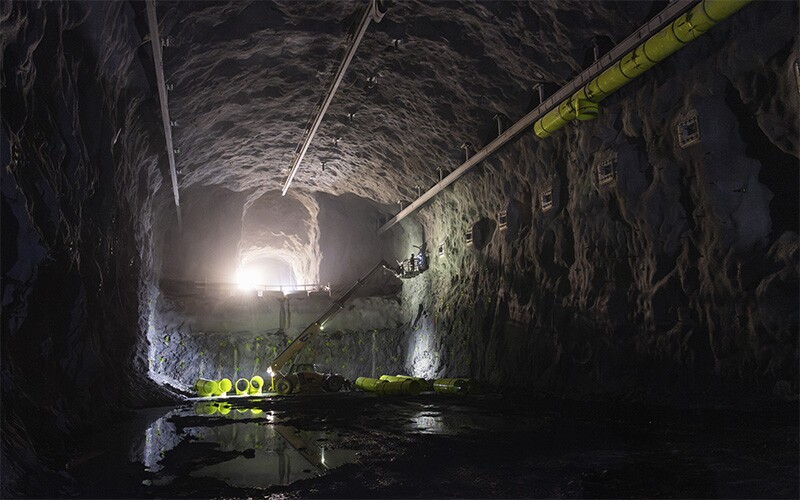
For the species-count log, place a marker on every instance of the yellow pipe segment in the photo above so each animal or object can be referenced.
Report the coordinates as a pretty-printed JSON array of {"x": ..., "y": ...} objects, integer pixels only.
[
  {"x": 205, "y": 408},
  {"x": 456, "y": 386},
  {"x": 583, "y": 103},
  {"x": 422, "y": 382},
  {"x": 405, "y": 388},
  {"x": 206, "y": 387},
  {"x": 223, "y": 386},
  {"x": 386, "y": 387},
  {"x": 256, "y": 384},
  {"x": 242, "y": 386},
  {"x": 368, "y": 384},
  {"x": 414, "y": 382}
]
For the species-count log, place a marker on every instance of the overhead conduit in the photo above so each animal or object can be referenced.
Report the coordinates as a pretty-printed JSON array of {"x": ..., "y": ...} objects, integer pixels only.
[
  {"x": 374, "y": 12},
  {"x": 583, "y": 105}
]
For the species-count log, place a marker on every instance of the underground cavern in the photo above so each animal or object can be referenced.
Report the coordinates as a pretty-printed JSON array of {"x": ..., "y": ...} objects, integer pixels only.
[{"x": 417, "y": 248}]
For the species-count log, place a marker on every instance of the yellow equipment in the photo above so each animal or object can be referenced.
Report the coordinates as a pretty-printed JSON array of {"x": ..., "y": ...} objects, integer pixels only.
[
  {"x": 206, "y": 387},
  {"x": 223, "y": 386},
  {"x": 256, "y": 384},
  {"x": 294, "y": 380},
  {"x": 384, "y": 387},
  {"x": 242, "y": 386},
  {"x": 368, "y": 384},
  {"x": 583, "y": 104},
  {"x": 426, "y": 386},
  {"x": 412, "y": 381},
  {"x": 455, "y": 386}
]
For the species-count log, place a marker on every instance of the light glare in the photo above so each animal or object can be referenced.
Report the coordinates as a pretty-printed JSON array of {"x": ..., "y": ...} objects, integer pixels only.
[{"x": 248, "y": 278}]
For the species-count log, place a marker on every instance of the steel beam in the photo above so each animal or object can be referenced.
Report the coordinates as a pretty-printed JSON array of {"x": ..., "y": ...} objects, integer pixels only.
[
  {"x": 670, "y": 13},
  {"x": 155, "y": 40}
]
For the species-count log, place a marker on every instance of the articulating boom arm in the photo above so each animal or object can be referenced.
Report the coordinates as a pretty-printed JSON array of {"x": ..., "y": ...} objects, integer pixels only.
[{"x": 313, "y": 329}]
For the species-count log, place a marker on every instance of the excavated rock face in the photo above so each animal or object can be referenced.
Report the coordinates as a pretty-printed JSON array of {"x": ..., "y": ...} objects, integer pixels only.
[
  {"x": 679, "y": 276},
  {"x": 426, "y": 79}
]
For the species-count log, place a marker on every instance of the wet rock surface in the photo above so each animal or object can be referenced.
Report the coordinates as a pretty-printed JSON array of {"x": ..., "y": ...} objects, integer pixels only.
[
  {"x": 355, "y": 445},
  {"x": 676, "y": 284}
]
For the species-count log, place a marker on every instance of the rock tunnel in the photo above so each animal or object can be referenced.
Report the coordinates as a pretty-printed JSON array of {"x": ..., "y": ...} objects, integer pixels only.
[{"x": 187, "y": 186}]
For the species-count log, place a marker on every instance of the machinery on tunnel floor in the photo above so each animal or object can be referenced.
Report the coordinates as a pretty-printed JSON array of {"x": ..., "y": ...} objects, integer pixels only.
[{"x": 301, "y": 380}]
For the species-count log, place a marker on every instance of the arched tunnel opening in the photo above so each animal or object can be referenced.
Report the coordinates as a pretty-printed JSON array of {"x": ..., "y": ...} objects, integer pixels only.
[{"x": 371, "y": 249}]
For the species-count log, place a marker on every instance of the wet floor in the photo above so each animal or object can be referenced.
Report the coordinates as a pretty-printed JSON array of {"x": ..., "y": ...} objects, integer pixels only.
[{"x": 359, "y": 445}]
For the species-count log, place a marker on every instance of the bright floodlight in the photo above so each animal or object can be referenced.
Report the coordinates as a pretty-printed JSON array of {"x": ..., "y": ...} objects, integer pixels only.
[{"x": 248, "y": 278}]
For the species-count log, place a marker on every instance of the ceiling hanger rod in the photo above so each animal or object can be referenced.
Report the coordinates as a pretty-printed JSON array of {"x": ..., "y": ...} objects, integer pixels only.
[{"x": 374, "y": 13}]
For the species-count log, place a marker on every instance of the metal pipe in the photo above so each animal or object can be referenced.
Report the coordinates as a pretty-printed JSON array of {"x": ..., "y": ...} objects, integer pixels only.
[
  {"x": 158, "y": 62},
  {"x": 670, "y": 13},
  {"x": 373, "y": 12},
  {"x": 582, "y": 105}
]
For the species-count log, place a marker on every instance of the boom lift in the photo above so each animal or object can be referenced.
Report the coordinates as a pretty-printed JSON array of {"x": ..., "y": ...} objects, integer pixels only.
[{"x": 296, "y": 381}]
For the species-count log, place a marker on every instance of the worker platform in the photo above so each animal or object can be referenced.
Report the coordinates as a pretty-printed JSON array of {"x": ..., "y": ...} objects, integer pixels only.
[{"x": 411, "y": 267}]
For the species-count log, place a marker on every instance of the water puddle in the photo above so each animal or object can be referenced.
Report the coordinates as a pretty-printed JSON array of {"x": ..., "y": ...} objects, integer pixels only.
[
  {"x": 241, "y": 446},
  {"x": 435, "y": 422}
]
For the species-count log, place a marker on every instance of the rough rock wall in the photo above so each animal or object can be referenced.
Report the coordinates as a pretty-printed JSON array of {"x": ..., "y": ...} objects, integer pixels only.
[
  {"x": 73, "y": 160},
  {"x": 350, "y": 245},
  {"x": 678, "y": 279},
  {"x": 430, "y": 76},
  {"x": 206, "y": 247},
  {"x": 237, "y": 334}
]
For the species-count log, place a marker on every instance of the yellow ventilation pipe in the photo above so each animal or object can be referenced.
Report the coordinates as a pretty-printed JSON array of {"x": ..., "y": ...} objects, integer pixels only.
[
  {"x": 256, "y": 384},
  {"x": 583, "y": 103},
  {"x": 418, "y": 387},
  {"x": 206, "y": 387},
  {"x": 223, "y": 386},
  {"x": 242, "y": 386}
]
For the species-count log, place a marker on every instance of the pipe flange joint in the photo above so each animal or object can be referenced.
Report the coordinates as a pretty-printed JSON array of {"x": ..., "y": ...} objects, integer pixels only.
[{"x": 585, "y": 109}]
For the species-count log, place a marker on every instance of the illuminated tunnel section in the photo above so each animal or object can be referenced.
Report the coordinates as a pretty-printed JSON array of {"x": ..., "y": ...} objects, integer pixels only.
[
  {"x": 268, "y": 274},
  {"x": 634, "y": 278},
  {"x": 277, "y": 251}
]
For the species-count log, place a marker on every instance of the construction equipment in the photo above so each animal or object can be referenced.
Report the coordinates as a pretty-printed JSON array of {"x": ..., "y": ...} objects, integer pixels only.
[{"x": 297, "y": 380}]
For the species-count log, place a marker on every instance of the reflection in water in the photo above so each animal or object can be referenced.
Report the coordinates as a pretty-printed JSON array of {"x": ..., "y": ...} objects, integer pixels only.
[
  {"x": 158, "y": 439},
  {"x": 434, "y": 422},
  {"x": 252, "y": 452}
]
